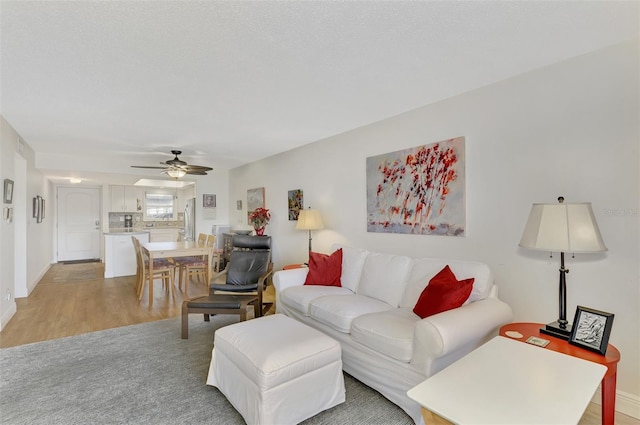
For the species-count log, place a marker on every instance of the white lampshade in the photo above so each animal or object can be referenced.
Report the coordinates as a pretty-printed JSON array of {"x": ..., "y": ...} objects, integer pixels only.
[
  {"x": 309, "y": 220},
  {"x": 562, "y": 227}
]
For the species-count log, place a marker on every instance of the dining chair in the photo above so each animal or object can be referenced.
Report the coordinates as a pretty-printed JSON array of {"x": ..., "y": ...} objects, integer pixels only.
[
  {"x": 202, "y": 238},
  {"x": 162, "y": 269},
  {"x": 245, "y": 277},
  {"x": 195, "y": 266}
]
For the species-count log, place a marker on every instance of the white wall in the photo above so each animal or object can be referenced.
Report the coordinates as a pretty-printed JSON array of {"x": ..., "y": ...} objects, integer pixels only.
[
  {"x": 25, "y": 246},
  {"x": 217, "y": 183},
  {"x": 8, "y": 139},
  {"x": 569, "y": 129},
  {"x": 40, "y": 249}
]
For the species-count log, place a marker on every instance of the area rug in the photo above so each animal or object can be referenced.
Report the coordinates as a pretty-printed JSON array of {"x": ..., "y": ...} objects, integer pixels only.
[
  {"x": 143, "y": 374},
  {"x": 64, "y": 273}
]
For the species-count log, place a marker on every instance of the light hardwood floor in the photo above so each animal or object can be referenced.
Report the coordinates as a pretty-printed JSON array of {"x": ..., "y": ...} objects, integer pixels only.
[{"x": 73, "y": 299}]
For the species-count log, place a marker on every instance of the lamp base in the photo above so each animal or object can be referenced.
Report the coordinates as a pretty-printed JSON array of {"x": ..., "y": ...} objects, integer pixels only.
[{"x": 555, "y": 330}]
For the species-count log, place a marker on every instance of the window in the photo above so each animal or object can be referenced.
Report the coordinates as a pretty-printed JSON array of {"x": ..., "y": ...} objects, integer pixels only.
[{"x": 158, "y": 206}]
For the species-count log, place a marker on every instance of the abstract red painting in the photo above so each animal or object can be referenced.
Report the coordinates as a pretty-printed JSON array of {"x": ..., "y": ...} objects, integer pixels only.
[{"x": 419, "y": 190}]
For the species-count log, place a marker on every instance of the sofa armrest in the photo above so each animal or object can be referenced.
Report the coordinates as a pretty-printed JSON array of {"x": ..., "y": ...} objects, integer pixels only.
[
  {"x": 450, "y": 335},
  {"x": 284, "y": 279}
]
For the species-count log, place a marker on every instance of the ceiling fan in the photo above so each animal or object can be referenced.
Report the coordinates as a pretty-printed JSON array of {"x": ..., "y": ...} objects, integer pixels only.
[{"x": 177, "y": 168}]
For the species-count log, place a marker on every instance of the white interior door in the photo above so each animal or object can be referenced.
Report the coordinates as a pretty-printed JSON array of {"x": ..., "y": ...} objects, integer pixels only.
[{"x": 78, "y": 223}]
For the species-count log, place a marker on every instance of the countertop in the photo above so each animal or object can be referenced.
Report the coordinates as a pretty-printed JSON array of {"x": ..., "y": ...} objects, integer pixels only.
[
  {"x": 163, "y": 227},
  {"x": 116, "y": 232}
]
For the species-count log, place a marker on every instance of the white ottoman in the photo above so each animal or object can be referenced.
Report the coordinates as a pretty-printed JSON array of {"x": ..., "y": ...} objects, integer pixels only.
[{"x": 276, "y": 370}]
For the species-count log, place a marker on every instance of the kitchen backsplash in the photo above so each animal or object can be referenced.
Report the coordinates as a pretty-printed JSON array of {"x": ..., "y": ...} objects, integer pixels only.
[{"x": 116, "y": 221}]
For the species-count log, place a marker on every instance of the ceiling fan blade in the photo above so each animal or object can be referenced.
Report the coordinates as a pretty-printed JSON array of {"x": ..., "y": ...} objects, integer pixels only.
[
  {"x": 196, "y": 168},
  {"x": 178, "y": 164}
]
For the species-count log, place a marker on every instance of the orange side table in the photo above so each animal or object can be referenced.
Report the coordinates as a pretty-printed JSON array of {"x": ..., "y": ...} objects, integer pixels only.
[
  {"x": 293, "y": 266},
  {"x": 610, "y": 360}
]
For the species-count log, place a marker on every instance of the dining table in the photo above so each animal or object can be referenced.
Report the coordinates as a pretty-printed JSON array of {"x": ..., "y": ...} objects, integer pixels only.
[{"x": 155, "y": 250}]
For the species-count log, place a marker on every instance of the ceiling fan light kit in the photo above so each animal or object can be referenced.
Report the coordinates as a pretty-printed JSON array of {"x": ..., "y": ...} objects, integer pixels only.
[
  {"x": 177, "y": 173},
  {"x": 176, "y": 168}
]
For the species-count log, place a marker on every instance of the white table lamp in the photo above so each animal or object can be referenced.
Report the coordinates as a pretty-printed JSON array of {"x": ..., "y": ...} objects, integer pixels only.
[
  {"x": 562, "y": 228},
  {"x": 309, "y": 220}
]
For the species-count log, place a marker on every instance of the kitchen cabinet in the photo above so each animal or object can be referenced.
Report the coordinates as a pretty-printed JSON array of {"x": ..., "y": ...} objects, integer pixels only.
[
  {"x": 167, "y": 234},
  {"x": 126, "y": 198},
  {"x": 119, "y": 254}
]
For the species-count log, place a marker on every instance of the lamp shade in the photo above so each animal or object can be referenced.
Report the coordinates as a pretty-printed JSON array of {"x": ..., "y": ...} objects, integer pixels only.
[
  {"x": 309, "y": 220},
  {"x": 562, "y": 228}
]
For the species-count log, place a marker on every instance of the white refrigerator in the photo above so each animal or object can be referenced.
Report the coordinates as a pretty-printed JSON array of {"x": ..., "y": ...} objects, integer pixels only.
[{"x": 190, "y": 220}]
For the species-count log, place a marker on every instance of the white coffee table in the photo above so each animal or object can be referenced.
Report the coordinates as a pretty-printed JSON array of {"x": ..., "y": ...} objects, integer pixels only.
[{"x": 508, "y": 382}]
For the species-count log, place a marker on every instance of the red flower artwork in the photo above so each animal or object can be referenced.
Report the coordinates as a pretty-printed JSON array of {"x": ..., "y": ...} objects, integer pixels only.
[{"x": 418, "y": 190}]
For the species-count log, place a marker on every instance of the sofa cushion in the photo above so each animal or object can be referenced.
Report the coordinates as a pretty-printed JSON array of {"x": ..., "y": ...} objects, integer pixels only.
[
  {"x": 338, "y": 311},
  {"x": 389, "y": 332},
  {"x": 299, "y": 297},
  {"x": 444, "y": 292},
  {"x": 324, "y": 269},
  {"x": 352, "y": 262},
  {"x": 424, "y": 269},
  {"x": 384, "y": 277}
]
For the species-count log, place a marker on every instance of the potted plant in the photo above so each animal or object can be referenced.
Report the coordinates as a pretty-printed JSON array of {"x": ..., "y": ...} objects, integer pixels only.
[{"x": 259, "y": 218}]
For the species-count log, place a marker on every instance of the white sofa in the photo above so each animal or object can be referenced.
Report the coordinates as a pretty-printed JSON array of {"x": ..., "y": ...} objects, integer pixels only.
[{"x": 384, "y": 344}]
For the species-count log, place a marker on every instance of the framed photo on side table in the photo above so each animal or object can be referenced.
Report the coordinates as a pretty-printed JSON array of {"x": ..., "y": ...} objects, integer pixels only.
[{"x": 591, "y": 329}]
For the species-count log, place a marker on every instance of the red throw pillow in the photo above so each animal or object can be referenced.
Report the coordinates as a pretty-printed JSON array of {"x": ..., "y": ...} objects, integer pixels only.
[
  {"x": 444, "y": 292},
  {"x": 325, "y": 269}
]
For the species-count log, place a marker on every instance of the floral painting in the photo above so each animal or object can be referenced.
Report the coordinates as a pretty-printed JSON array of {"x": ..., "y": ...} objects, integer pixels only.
[
  {"x": 418, "y": 190},
  {"x": 294, "y": 203},
  {"x": 255, "y": 199}
]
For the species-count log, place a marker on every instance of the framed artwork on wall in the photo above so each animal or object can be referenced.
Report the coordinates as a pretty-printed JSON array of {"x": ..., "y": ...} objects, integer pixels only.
[
  {"x": 36, "y": 207},
  {"x": 8, "y": 191},
  {"x": 295, "y": 203},
  {"x": 419, "y": 190},
  {"x": 255, "y": 199},
  {"x": 7, "y": 214},
  {"x": 209, "y": 201}
]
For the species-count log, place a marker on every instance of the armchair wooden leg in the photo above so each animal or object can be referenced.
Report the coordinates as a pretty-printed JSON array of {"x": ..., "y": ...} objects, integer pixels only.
[{"x": 185, "y": 321}]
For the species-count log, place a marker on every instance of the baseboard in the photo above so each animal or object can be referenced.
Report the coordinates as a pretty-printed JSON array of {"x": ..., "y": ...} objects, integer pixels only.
[
  {"x": 626, "y": 403},
  {"x": 13, "y": 308},
  {"x": 37, "y": 280}
]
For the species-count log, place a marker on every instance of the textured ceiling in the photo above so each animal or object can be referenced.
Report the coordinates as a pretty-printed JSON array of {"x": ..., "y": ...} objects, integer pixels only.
[{"x": 232, "y": 82}]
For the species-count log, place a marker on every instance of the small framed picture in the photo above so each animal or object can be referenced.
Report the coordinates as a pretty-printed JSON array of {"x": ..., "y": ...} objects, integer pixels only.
[
  {"x": 591, "y": 329},
  {"x": 36, "y": 206},
  {"x": 209, "y": 201},
  {"x": 8, "y": 191}
]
